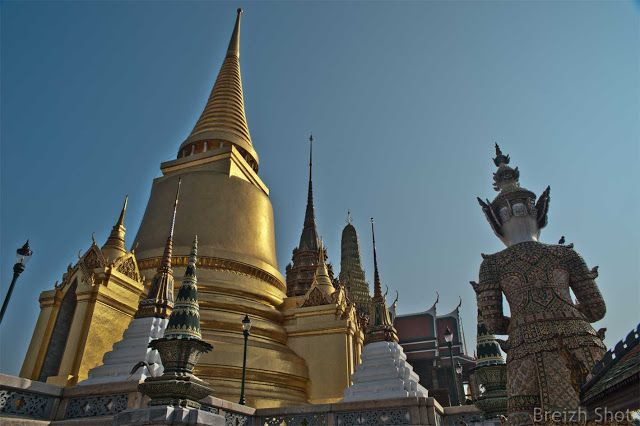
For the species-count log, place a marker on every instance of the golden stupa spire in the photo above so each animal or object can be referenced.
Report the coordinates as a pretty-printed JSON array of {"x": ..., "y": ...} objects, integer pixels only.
[
  {"x": 223, "y": 118},
  {"x": 114, "y": 247}
]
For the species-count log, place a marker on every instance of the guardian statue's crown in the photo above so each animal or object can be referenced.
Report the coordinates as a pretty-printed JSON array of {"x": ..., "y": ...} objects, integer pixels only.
[{"x": 512, "y": 199}]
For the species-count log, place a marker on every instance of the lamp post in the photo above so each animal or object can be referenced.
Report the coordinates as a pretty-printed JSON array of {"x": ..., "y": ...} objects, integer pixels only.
[
  {"x": 246, "y": 326},
  {"x": 459, "y": 371},
  {"x": 23, "y": 255},
  {"x": 448, "y": 337}
]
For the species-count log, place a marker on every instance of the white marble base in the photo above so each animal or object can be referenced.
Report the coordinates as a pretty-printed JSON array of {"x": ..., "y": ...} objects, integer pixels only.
[
  {"x": 133, "y": 348},
  {"x": 383, "y": 374}
]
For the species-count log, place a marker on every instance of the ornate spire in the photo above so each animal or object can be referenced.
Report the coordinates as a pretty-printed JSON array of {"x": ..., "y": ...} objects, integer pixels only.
[
  {"x": 159, "y": 301},
  {"x": 380, "y": 327},
  {"x": 184, "y": 322},
  {"x": 377, "y": 287},
  {"x": 223, "y": 118},
  {"x": 234, "y": 43},
  {"x": 500, "y": 159},
  {"x": 114, "y": 248},
  {"x": 309, "y": 237},
  {"x": 488, "y": 349},
  {"x": 352, "y": 275},
  {"x": 321, "y": 278},
  {"x": 180, "y": 348},
  {"x": 505, "y": 178}
]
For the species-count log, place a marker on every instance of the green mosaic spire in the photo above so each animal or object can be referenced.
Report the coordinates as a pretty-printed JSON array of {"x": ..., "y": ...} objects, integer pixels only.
[
  {"x": 351, "y": 272},
  {"x": 184, "y": 322},
  {"x": 488, "y": 348}
]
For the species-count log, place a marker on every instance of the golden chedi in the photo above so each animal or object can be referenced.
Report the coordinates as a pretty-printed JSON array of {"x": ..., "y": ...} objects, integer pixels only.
[{"x": 227, "y": 205}]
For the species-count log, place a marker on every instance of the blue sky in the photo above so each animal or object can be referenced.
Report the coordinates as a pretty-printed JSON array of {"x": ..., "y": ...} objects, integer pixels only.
[{"x": 405, "y": 101}]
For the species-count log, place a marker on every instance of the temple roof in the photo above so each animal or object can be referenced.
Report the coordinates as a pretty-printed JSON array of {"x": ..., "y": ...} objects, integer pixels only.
[
  {"x": 223, "y": 118},
  {"x": 619, "y": 369}
]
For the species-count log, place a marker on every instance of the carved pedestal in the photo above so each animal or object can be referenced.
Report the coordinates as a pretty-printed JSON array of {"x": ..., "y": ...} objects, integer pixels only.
[
  {"x": 177, "y": 386},
  {"x": 493, "y": 378}
]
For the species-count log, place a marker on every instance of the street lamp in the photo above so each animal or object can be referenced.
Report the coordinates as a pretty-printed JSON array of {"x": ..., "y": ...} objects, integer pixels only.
[
  {"x": 246, "y": 326},
  {"x": 459, "y": 371},
  {"x": 23, "y": 255},
  {"x": 448, "y": 337}
]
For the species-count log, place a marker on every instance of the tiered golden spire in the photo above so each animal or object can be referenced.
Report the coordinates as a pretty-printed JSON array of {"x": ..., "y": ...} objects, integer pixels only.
[
  {"x": 223, "y": 118},
  {"x": 114, "y": 248},
  {"x": 159, "y": 301}
]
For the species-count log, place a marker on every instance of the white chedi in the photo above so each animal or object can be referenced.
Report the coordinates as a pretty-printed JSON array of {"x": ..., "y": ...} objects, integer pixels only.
[
  {"x": 383, "y": 374},
  {"x": 132, "y": 349}
]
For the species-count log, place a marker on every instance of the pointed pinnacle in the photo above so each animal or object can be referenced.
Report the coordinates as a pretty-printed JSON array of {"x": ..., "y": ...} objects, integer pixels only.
[
  {"x": 377, "y": 287},
  {"x": 168, "y": 248},
  {"x": 234, "y": 43},
  {"x": 124, "y": 209}
]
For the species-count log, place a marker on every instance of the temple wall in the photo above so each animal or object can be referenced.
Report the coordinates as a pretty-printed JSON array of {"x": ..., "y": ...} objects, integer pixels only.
[{"x": 78, "y": 324}]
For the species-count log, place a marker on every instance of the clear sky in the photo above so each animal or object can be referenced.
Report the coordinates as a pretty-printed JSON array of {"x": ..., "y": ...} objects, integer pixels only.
[{"x": 405, "y": 101}]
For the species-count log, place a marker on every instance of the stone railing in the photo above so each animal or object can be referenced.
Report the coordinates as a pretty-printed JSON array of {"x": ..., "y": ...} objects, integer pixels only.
[
  {"x": 396, "y": 412},
  {"x": 21, "y": 398},
  {"x": 27, "y": 402},
  {"x": 467, "y": 414},
  {"x": 24, "y": 402}
]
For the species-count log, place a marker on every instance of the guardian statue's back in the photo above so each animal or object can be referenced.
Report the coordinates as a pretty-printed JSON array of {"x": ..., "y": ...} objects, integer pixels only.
[{"x": 551, "y": 347}]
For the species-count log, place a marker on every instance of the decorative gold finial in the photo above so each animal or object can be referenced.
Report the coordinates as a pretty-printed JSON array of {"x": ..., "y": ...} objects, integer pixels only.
[
  {"x": 310, "y": 154},
  {"x": 124, "y": 210},
  {"x": 114, "y": 247},
  {"x": 234, "y": 43},
  {"x": 321, "y": 252}
]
